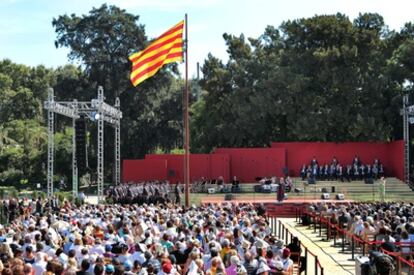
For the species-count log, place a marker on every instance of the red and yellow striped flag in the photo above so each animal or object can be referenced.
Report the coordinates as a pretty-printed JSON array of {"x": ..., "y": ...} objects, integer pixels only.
[{"x": 165, "y": 49}]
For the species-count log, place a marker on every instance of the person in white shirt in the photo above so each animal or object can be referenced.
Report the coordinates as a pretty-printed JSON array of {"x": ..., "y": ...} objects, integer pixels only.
[
  {"x": 39, "y": 267},
  {"x": 138, "y": 255},
  {"x": 125, "y": 256},
  {"x": 287, "y": 262},
  {"x": 359, "y": 226},
  {"x": 262, "y": 267},
  {"x": 85, "y": 255},
  {"x": 62, "y": 257},
  {"x": 98, "y": 248},
  {"x": 406, "y": 242},
  {"x": 208, "y": 258}
]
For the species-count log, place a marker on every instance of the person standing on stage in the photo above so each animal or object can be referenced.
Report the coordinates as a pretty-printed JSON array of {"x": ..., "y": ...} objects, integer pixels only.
[
  {"x": 281, "y": 190},
  {"x": 382, "y": 189},
  {"x": 177, "y": 192}
]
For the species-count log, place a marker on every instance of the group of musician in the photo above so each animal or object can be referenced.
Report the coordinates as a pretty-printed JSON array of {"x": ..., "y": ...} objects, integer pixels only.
[{"x": 148, "y": 192}]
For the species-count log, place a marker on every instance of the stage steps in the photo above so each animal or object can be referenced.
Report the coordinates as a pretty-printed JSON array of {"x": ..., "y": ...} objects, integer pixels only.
[
  {"x": 393, "y": 185},
  {"x": 285, "y": 209},
  {"x": 394, "y": 188},
  {"x": 330, "y": 257}
]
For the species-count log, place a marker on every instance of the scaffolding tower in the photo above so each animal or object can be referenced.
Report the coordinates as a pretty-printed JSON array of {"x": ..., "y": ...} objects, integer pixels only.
[
  {"x": 406, "y": 135},
  {"x": 95, "y": 110}
]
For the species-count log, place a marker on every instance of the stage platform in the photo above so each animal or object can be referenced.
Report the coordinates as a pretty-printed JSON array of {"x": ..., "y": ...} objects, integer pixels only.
[{"x": 289, "y": 208}]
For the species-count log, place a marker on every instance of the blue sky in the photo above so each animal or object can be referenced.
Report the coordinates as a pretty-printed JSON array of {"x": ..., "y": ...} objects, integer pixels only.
[{"x": 27, "y": 35}]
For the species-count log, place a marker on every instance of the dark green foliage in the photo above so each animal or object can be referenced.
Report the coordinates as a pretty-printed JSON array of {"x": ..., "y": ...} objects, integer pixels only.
[
  {"x": 102, "y": 41},
  {"x": 323, "y": 78}
]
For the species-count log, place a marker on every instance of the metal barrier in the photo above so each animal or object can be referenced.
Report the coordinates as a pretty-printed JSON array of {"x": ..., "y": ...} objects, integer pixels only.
[
  {"x": 358, "y": 245},
  {"x": 311, "y": 260}
]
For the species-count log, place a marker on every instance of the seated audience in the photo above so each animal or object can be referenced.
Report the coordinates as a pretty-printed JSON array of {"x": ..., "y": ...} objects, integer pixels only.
[
  {"x": 345, "y": 173},
  {"x": 147, "y": 238}
]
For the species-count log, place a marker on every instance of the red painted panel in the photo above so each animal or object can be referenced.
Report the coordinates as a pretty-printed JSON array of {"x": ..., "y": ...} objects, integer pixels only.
[
  {"x": 299, "y": 153},
  {"x": 144, "y": 169},
  {"x": 201, "y": 165},
  {"x": 220, "y": 166},
  {"x": 175, "y": 165},
  {"x": 396, "y": 157},
  {"x": 249, "y": 163}
]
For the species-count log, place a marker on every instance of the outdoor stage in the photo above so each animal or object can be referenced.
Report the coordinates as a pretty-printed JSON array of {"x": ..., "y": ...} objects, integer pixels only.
[{"x": 287, "y": 208}]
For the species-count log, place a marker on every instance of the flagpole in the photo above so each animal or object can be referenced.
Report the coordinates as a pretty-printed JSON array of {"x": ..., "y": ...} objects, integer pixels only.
[{"x": 186, "y": 124}]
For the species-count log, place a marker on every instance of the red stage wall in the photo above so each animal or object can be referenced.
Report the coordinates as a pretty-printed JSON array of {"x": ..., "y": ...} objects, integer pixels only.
[
  {"x": 249, "y": 163},
  {"x": 396, "y": 156},
  {"x": 299, "y": 153},
  {"x": 201, "y": 165},
  {"x": 174, "y": 166},
  {"x": 220, "y": 166},
  {"x": 144, "y": 169}
]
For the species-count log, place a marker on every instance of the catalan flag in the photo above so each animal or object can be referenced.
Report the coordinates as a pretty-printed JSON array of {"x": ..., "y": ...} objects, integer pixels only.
[{"x": 165, "y": 49}]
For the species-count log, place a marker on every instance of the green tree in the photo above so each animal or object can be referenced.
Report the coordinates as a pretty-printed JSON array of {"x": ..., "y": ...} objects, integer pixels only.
[
  {"x": 322, "y": 78},
  {"x": 101, "y": 41}
]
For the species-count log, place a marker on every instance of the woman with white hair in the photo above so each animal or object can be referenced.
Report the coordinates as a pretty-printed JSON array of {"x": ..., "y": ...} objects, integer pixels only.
[
  {"x": 191, "y": 267},
  {"x": 235, "y": 267}
]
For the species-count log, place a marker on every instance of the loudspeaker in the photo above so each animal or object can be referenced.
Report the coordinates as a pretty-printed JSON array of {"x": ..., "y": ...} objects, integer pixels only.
[
  {"x": 325, "y": 196},
  {"x": 324, "y": 190},
  {"x": 228, "y": 197},
  {"x": 333, "y": 189},
  {"x": 211, "y": 190},
  {"x": 311, "y": 181},
  {"x": 369, "y": 181},
  {"x": 340, "y": 196},
  {"x": 80, "y": 132},
  {"x": 298, "y": 190}
]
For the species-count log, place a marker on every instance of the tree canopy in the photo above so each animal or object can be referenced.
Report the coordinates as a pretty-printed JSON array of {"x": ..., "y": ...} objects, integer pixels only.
[{"x": 323, "y": 78}]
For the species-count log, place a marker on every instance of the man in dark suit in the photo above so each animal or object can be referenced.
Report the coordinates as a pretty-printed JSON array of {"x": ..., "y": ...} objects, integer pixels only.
[
  {"x": 281, "y": 191},
  {"x": 235, "y": 185},
  {"x": 177, "y": 192},
  {"x": 326, "y": 172},
  {"x": 356, "y": 161},
  {"x": 321, "y": 172},
  {"x": 303, "y": 172},
  {"x": 314, "y": 161}
]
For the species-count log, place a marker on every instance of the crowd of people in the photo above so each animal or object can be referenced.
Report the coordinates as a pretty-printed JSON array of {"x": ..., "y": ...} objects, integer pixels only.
[
  {"x": 356, "y": 170},
  {"x": 140, "y": 239}
]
